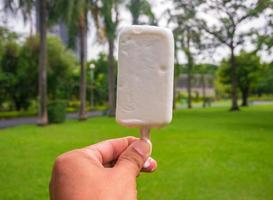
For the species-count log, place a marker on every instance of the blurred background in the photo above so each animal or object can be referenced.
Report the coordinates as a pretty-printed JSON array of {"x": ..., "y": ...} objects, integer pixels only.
[{"x": 58, "y": 61}]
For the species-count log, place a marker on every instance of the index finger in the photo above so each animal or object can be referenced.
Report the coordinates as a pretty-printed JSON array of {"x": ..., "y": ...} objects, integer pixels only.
[{"x": 109, "y": 150}]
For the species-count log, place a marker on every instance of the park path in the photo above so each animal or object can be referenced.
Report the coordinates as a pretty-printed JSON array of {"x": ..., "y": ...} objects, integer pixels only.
[{"x": 5, "y": 123}]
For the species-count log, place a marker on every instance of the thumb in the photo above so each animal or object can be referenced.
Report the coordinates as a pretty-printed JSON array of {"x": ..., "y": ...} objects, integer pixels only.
[{"x": 132, "y": 159}]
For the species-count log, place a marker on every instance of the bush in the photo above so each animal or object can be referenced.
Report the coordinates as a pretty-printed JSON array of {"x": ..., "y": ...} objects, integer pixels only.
[
  {"x": 73, "y": 106},
  {"x": 19, "y": 63},
  {"x": 56, "y": 111}
]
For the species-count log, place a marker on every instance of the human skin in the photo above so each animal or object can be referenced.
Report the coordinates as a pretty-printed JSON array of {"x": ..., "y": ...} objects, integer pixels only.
[{"x": 106, "y": 170}]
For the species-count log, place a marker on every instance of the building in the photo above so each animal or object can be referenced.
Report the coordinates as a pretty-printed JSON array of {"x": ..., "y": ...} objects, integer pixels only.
[
  {"x": 60, "y": 30},
  {"x": 202, "y": 84}
]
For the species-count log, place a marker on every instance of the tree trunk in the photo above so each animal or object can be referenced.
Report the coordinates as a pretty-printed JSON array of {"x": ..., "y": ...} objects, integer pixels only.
[
  {"x": 245, "y": 93},
  {"x": 234, "y": 97},
  {"x": 37, "y": 17},
  {"x": 175, "y": 74},
  {"x": 189, "y": 84},
  {"x": 174, "y": 93},
  {"x": 42, "y": 117},
  {"x": 31, "y": 25},
  {"x": 136, "y": 14},
  {"x": 204, "y": 90},
  {"x": 83, "y": 49},
  {"x": 135, "y": 21},
  {"x": 187, "y": 51},
  {"x": 111, "y": 79},
  {"x": 17, "y": 104},
  {"x": 189, "y": 80}
]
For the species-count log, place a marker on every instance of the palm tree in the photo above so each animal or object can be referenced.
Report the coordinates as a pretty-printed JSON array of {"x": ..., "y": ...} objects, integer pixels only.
[
  {"x": 74, "y": 15},
  {"x": 109, "y": 9},
  {"x": 42, "y": 116},
  {"x": 141, "y": 7},
  {"x": 26, "y": 7}
]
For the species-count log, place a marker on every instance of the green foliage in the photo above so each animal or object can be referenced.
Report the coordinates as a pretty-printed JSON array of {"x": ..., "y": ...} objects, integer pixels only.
[
  {"x": 100, "y": 79},
  {"x": 265, "y": 41},
  {"x": 205, "y": 69},
  {"x": 60, "y": 65},
  {"x": 61, "y": 62},
  {"x": 186, "y": 31},
  {"x": 248, "y": 69},
  {"x": 99, "y": 83},
  {"x": 22, "y": 6},
  {"x": 16, "y": 82},
  {"x": 19, "y": 71},
  {"x": 187, "y": 36},
  {"x": 5, "y": 36},
  {"x": 56, "y": 111},
  {"x": 230, "y": 15},
  {"x": 75, "y": 85},
  {"x": 139, "y": 8},
  {"x": 109, "y": 14},
  {"x": 73, "y": 14},
  {"x": 265, "y": 84}
]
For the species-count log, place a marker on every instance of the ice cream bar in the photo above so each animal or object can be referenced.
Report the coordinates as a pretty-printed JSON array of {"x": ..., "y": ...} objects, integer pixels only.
[{"x": 145, "y": 77}]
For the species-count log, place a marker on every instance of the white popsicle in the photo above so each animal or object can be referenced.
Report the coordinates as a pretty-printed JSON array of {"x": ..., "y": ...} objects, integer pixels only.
[{"x": 145, "y": 77}]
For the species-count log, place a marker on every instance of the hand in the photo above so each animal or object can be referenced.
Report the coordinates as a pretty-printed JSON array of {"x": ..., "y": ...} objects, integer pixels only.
[{"x": 106, "y": 170}]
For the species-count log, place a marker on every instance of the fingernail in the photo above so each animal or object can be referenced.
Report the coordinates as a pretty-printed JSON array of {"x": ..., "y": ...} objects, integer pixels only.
[
  {"x": 150, "y": 143},
  {"x": 154, "y": 166},
  {"x": 142, "y": 147},
  {"x": 147, "y": 163}
]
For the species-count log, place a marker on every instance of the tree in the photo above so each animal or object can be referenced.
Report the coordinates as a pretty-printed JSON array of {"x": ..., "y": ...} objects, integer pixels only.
[
  {"x": 139, "y": 8},
  {"x": 229, "y": 15},
  {"x": 3, "y": 35},
  {"x": 25, "y": 8},
  {"x": 100, "y": 78},
  {"x": 19, "y": 72},
  {"x": 264, "y": 39},
  {"x": 109, "y": 12},
  {"x": 187, "y": 35},
  {"x": 248, "y": 71},
  {"x": 176, "y": 72},
  {"x": 42, "y": 115},
  {"x": 61, "y": 62},
  {"x": 18, "y": 84},
  {"x": 75, "y": 15},
  {"x": 203, "y": 70},
  {"x": 265, "y": 83},
  {"x": 2, "y": 77},
  {"x": 13, "y": 76}
]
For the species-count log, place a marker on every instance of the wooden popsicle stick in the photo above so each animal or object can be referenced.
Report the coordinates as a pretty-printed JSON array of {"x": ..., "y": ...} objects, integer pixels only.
[{"x": 145, "y": 133}]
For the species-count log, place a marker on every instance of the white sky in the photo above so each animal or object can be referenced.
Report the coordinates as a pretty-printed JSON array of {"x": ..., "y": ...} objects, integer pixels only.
[{"x": 16, "y": 24}]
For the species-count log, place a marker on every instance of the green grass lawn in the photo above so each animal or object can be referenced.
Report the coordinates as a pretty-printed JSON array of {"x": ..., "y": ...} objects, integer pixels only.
[{"x": 204, "y": 154}]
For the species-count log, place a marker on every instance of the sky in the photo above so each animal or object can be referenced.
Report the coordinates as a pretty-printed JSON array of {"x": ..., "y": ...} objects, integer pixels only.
[{"x": 94, "y": 48}]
